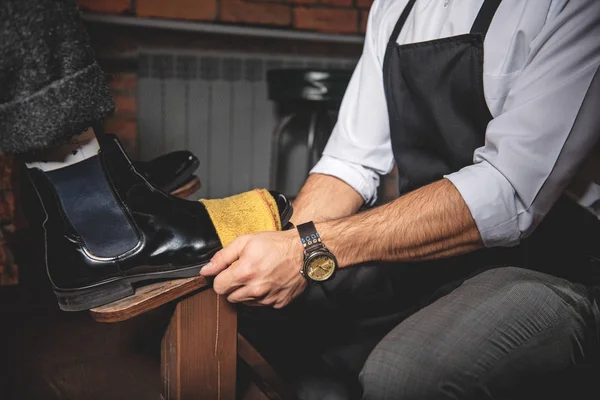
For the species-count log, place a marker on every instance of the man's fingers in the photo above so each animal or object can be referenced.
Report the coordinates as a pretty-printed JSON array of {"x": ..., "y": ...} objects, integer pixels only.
[
  {"x": 223, "y": 283},
  {"x": 224, "y": 258},
  {"x": 247, "y": 293}
]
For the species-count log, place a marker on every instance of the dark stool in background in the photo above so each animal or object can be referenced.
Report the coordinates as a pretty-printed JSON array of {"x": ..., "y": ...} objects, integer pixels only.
[{"x": 307, "y": 103}]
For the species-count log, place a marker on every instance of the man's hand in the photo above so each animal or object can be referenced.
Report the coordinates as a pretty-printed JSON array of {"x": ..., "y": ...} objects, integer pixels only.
[{"x": 259, "y": 269}]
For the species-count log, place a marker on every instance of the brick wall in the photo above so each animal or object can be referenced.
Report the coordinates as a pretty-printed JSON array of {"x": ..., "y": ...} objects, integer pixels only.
[
  {"x": 8, "y": 268},
  {"x": 123, "y": 123},
  {"x": 330, "y": 16}
]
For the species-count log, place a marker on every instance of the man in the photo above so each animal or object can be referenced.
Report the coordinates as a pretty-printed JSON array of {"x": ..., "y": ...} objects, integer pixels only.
[{"x": 487, "y": 136}]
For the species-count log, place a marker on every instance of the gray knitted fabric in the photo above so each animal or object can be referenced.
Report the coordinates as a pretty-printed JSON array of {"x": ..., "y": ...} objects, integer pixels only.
[{"x": 51, "y": 87}]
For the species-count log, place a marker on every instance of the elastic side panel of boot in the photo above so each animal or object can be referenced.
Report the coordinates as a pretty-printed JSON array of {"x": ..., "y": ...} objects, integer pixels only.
[{"x": 92, "y": 209}]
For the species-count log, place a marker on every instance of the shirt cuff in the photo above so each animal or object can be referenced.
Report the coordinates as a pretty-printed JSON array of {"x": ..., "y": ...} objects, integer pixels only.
[
  {"x": 491, "y": 200},
  {"x": 361, "y": 179}
]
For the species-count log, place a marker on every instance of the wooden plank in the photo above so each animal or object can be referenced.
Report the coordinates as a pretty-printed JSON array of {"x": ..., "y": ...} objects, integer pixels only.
[
  {"x": 147, "y": 298},
  {"x": 253, "y": 393},
  {"x": 265, "y": 376},
  {"x": 199, "y": 349},
  {"x": 169, "y": 357}
]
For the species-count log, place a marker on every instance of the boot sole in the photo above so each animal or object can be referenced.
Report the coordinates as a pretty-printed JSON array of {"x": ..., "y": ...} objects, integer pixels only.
[
  {"x": 108, "y": 292},
  {"x": 188, "y": 188}
]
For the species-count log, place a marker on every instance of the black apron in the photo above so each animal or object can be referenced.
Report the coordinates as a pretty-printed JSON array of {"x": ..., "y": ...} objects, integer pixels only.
[
  {"x": 437, "y": 110},
  {"x": 438, "y": 117}
]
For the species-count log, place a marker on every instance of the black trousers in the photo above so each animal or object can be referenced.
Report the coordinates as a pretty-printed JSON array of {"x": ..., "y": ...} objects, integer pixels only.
[{"x": 51, "y": 86}]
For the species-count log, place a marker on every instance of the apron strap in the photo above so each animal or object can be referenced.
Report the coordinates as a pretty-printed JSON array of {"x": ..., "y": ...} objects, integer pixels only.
[
  {"x": 484, "y": 18},
  {"x": 401, "y": 21},
  {"x": 481, "y": 25}
]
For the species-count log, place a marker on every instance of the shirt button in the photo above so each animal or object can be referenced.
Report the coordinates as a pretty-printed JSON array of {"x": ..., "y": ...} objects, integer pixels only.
[{"x": 446, "y": 2}]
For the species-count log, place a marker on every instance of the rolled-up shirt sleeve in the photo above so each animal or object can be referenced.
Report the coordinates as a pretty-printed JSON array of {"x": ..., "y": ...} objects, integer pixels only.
[
  {"x": 359, "y": 148},
  {"x": 548, "y": 126}
]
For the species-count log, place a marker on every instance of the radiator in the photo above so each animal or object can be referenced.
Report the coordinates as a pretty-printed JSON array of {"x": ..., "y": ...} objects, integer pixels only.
[{"x": 215, "y": 104}]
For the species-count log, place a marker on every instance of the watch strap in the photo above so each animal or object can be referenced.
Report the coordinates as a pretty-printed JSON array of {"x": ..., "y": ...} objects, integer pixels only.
[{"x": 309, "y": 236}]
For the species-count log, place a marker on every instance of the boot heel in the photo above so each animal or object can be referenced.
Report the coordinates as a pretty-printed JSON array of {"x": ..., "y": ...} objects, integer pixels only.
[{"x": 84, "y": 299}]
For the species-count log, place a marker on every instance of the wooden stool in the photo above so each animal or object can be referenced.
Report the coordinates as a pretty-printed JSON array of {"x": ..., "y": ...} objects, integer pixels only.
[{"x": 201, "y": 344}]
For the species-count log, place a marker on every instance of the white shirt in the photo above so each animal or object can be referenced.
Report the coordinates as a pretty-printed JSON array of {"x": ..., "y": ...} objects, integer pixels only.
[{"x": 540, "y": 57}]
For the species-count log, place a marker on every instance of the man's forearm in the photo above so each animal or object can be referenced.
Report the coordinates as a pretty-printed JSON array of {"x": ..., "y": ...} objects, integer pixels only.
[
  {"x": 431, "y": 222},
  {"x": 324, "y": 197}
]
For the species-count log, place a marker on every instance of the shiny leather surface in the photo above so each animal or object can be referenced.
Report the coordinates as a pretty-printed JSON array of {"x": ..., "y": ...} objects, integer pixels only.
[
  {"x": 169, "y": 171},
  {"x": 173, "y": 233},
  {"x": 68, "y": 265}
]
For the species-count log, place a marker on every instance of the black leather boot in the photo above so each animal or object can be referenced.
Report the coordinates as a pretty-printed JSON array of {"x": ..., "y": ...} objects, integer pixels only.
[
  {"x": 169, "y": 171},
  {"x": 106, "y": 227}
]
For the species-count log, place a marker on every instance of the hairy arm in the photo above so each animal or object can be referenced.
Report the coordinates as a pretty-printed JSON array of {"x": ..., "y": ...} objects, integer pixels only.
[
  {"x": 324, "y": 197},
  {"x": 429, "y": 223}
]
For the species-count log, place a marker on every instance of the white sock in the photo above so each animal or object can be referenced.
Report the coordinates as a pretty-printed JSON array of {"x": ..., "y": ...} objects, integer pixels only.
[{"x": 76, "y": 150}]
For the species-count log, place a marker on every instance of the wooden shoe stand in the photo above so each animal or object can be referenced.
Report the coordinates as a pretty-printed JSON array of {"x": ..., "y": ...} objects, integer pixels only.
[{"x": 201, "y": 346}]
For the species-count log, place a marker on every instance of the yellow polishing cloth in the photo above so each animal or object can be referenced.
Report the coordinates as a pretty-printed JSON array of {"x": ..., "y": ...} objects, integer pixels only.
[{"x": 249, "y": 212}]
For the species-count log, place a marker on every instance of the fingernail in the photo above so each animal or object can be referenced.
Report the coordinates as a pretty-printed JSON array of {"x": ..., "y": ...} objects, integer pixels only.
[{"x": 206, "y": 267}]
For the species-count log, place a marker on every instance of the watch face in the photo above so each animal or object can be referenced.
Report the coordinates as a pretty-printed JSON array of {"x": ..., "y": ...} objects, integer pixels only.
[{"x": 320, "y": 267}]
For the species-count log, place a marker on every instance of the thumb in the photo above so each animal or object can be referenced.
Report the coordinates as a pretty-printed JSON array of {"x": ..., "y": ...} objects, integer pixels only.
[{"x": 225, "y": 257}]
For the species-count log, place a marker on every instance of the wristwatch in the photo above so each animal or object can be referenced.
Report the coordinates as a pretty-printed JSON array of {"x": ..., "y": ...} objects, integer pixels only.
[{"x": 319, "y": 264}]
